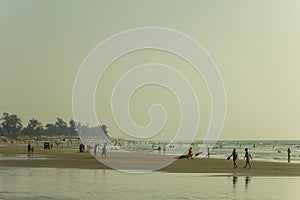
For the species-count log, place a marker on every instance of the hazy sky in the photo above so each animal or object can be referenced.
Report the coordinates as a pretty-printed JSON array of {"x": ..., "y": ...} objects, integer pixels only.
[{"x": 255, "y": 44}]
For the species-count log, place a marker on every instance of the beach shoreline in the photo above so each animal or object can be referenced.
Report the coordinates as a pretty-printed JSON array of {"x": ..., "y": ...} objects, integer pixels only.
[{"x": 71, "y": 158}]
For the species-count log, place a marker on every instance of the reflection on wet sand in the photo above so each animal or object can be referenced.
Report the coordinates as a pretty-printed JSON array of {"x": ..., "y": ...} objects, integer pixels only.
[
  {"x": 247, "y": 180},
  {"x": 235, "y": 180}
]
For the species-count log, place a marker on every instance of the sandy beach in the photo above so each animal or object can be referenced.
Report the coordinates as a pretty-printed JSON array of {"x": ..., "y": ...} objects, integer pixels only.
[{"x": 70, "y": 158}]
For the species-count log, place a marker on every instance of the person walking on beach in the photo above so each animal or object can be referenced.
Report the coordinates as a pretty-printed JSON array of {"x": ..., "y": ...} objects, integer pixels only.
[
  {"x": 247, "y": 156},
  {"x": 208, "y": 152},
  {"x": 234, "y": 156},
  {"x": 95, "y": 150},
  {"x": 289, "y": 154},
  {"x": 104, "y": 150}
]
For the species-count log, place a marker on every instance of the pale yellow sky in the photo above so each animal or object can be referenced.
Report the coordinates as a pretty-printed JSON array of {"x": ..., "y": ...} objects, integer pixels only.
[{"x": 255, "y": 45}]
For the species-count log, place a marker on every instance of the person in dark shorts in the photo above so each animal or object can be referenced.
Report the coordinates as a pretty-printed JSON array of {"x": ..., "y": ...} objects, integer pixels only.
[
  {"x": 28, "y": 148},
  {"x": 234, "y": 157},
  {"x": 248, "y": 157},
  {"x": 190, "y": 154},
  {"x": 104, "y": 151}
]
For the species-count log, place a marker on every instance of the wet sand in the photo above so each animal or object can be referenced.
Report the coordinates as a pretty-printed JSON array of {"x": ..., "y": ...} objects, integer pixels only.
[{"x": 71, "y": 158}]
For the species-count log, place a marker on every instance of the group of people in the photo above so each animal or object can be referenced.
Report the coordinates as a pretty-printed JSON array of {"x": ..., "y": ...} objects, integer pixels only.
[
  {"x": 234, "y": 156},
  {"x": 84, "y": 148},
  {"x": 30, "y": 148},
  {"x": 104, "y": 151},
  {"x": 164, "y": 149},
  {"x": 248, "y": 156}
]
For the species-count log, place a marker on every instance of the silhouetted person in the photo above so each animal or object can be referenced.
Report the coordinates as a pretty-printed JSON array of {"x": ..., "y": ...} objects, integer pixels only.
[
  {"x": 289, "y": 154},
  {"x": 190, "y": 154},
  {"x": 234, "y": 180},
  {"x": 104, "y": 150},
  {"x": 247, "y": 180},
  {"x": 95, "y": 149},
  {"x": 208, "y": 152},
  {"x": 28, "y": 148},
  {"x": 234, "y": 157},
  {"x": 248, "y": 157},
  {"x": 81, "y": 148}
]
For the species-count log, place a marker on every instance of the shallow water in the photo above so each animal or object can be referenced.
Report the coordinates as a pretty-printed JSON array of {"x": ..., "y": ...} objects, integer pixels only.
[
  {"x": 51, "y": 183},
  {"x": 266, "y": 150},
  {"x": 24, "y": 157}
]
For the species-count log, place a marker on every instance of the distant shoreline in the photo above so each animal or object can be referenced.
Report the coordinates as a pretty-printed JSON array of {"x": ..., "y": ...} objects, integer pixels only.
[{"x": 70, "y": 158}]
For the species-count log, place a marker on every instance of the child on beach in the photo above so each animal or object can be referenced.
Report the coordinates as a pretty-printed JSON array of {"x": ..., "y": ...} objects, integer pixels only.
[
  {"x": 247, "y": 156},
  {"x": 234, "y": 156}
]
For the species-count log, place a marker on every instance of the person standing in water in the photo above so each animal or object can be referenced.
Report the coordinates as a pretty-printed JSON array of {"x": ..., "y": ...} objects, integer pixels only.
[
  {"x": 164, "y": 149},
  {"x": 247, "y": 156},
  {"x": 289, "y": 154},
  {"x": 234, "y": 157},
  {"x": 159, "y": 149},
  {"x": 208, "y": 152},
  {"x": 190, "y": 154}
]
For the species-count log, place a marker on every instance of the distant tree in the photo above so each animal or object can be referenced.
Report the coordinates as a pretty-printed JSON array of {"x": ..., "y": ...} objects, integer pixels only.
[
  {"x": 105, "y": 130},
  {"x": 60, "y": 123},
  {"x": 2, "y": 131},
  {"x": 61, "y": 127},
  {"x": 34, "y": 128},
  {"x": 34, "y": 124},
  {"x": 96, "y": 132},
  {"x": 72, "y": 127},
  {"x": 12, "y": 124},
  {"x": 50, "y": 129}
]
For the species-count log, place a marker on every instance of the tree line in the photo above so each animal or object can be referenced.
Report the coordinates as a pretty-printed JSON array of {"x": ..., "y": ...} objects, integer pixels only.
[{"x": 11, "y": 126}]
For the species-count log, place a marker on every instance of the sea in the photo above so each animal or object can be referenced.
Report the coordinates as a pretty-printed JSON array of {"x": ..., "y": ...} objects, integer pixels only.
[
  {"x": 265, "y": 150},
  {"x": 65, "y": 183}
]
